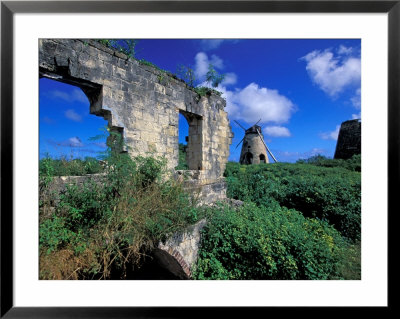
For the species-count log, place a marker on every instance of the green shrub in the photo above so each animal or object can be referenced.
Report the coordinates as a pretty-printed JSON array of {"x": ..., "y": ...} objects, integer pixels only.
[
  {"x": 182, "y": 163},
  {"x": 333, "y": 199},
  {"x": 53, "y": 234},
  {"x": 126, "y": 46},
  {"x": 204, "y": 90},
  {"x": 352, "y": 164},
  {"x": 187, "y": 74},
  {"x": 332, "y": 194},
  {"x": 84, "y": 206},
  {"x": 100, "y": 228},
  {"x": 263, "y": 243},
  {"x": 73, "y": 167},
  {"x": 213, "y": 77}
]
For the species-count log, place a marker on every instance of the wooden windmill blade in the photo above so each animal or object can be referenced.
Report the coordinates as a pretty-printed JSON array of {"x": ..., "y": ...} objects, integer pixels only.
[
  {"x": 240, "y": 125},
  {"x": 239, "y": 143},
  {"x": 257, "y": 122},
  {"x": 270, "y": 153}
]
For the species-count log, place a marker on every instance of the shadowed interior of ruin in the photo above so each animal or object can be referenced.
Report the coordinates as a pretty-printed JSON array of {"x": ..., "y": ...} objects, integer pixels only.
[{"x": 150, "y": 269}]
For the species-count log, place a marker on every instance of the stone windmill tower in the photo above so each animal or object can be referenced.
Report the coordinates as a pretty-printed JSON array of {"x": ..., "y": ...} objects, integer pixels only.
[{"x": 254, "y": 148}]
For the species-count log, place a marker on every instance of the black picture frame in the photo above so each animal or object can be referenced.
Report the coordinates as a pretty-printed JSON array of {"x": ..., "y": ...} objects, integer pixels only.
[{"x": 9, "y": 8}]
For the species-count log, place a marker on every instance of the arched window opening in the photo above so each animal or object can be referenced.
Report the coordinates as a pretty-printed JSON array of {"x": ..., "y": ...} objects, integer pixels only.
[
  {"x": 248, "y": 158},
  {"x": 183, "y": 143},
  {"x": 262, "y": 158},
  {"x": 194, "y": 139},
  {"x": 67, "y": 134}
]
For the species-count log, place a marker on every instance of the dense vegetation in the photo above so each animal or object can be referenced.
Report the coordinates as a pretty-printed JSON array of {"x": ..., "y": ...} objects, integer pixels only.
[
  {"x": 332, "y": 193},
  {"x": 299, "y": 221},
  {"x": 182, "y": 162},
  {"x": 269, "y": 243},
  {"x": 100, "y": 229},
  {"x": 73, "y": 167}
]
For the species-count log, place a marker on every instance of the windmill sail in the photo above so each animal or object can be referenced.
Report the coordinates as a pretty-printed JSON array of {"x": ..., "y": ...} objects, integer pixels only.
[
  {"x": 240, "y": 142},
  {"x": 270, "y": 153},
  {"x": 240, "y": 125}
]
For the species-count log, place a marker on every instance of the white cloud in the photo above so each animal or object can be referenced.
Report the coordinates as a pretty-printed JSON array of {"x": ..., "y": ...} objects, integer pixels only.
[
  {"x": 210, "y": 44},
  {"x": 333, "y": 74},
  {"x": 48, "y": 120},
  {"x": 202, "y": 63},
  {"x": 254, "y": 102},
  {"x": 74, "y": 95},
  {"x": 71, "y": 142},
  {"x": 101, "y": 144},
  {"x": 277, "y": 131},
  {"x": 250, "y": 103},
  {"x": 75, "y": 142},
  {"x": 315, "y": 151},
  {"x": 333, "y": 135},
  {"x": 356, "y": 116},
  {"x": 230, "y": 78},
  {"x": 72, "y": 115},
  {"x": 356, "y": 99},
  {"x": 285, "y": 156},
  {"x": 344, "y": 50},
  {"x": 217, "y": 62}
]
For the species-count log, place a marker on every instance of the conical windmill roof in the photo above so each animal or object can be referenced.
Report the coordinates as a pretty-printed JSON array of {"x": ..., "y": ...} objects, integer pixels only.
[{"x": 253, "y": 129}]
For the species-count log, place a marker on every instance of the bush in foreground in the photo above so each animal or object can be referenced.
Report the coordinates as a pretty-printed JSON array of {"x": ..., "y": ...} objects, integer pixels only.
[
  {"x": 98, "y": 230},
  {"x": 332, "y": 194},
  {"x": 262, "y": 243}
]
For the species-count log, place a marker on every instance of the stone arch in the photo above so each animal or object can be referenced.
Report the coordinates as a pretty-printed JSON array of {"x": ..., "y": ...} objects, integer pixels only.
[
  {"x": 262, "y": 158},
  {"x": 179, "y": 252},
  {"x": 173, "y": 261},
  {"x": 94, "y": 93}
]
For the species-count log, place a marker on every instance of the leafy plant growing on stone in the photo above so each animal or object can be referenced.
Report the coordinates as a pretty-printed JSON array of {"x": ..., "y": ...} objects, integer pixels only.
[
  {"x": 126, "y": 46},
  {"x": 213, "y": 77},
  {"x": 187, "y": 74}
]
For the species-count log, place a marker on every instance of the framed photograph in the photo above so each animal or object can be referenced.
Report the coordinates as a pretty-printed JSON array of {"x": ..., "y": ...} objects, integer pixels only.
[{"x": 264, "y": 71}]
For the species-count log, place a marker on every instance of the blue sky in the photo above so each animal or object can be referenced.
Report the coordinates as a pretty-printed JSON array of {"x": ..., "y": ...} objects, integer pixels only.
[{"x": 301, "y": 89}]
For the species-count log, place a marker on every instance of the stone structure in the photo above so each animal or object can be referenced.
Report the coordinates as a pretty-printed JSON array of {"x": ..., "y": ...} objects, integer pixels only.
[
  {"x": 349, "y": 139},
  {"x": 143, "y": 104},
  {"x": 253, "y": 149},
  {"x": 178, "y": 253}
]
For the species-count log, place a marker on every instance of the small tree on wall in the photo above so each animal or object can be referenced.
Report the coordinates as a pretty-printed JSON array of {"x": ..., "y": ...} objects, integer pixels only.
[
  {"x": 213, "y": 77},
  {"x": 186, "y": 73}
]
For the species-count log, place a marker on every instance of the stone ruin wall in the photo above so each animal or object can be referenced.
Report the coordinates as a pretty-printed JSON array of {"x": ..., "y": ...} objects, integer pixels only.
[
  {"x": 349, "y": 140},
  {"x": 143, "y": 104}
]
